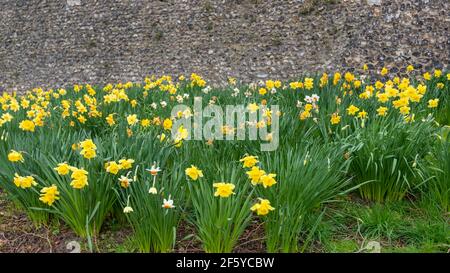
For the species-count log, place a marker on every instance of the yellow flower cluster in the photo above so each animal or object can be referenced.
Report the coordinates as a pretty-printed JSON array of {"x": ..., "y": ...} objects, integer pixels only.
[
  {"x": 114, "y": 167},
  {"x": 79, "y": 176},
  {"x": 258, "y": 176},
  {"x": 196, "y": 80},
  {"x": 263, "y": 207},
  {"x": 24, "y": 181},
  {"x": 88, "y": 149},
  {"x": 223, "y": 189},
  {"x": 49, "y": 195}
]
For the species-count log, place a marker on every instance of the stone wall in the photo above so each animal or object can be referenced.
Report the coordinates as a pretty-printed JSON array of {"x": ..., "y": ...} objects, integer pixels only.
[{"x": 57, "y": 42}]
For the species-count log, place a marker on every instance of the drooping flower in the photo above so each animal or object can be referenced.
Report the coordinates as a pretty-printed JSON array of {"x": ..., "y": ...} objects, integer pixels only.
[
  {"x": 110, "y": 120},
  {"x": 263, "y": 207},
  {"x": 437, "y": 73},
  {"x": 223, "y": 189},
  {"x": 193, "y": 172},
  {"x": 127, "y": 209},
  {"x": 362, "y": 114},
  {"x": 153, "y": 190}
]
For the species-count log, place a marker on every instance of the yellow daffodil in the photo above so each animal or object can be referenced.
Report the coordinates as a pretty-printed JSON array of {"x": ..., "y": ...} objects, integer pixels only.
[
  {"x": 263, "y": 207},
  {"x": 113, "y": 167},
  {"x": 404, "y": 110},
  {"x": 437, "y": 73},
  {"x": 24, "y": 181},
  {"x": 193, "y": 172},
  {"x": 79, "y": 178},
  {"x": 255, "y": 175},
  {"x": 88, "y": 153},
  {"x": 145, "y": 122},
  {"x": 126, "y": 164},
  {"x": 132, "y": 119},
  {"x": 87, "y": 144},
  {"x": 268, "y": 180},
  {"x": 352, "y": 110},
  {"x": 167, "y": 124},
  {"x": 382, "y": 111},
  {"x": 249, "y": 161},
  {"x": 49, "y": 195},
  {"x": 223, "y": 189},
  {"x": 335, "y": 119},
  {"x": 27, "y": 125},
  {"x": 110, "y": 120},
  {"x": 433, "y": 103},
  {"x": 308, "y": 83},
  {"x": 62, "y": 168},
  {"x": 15, "y": 156}
]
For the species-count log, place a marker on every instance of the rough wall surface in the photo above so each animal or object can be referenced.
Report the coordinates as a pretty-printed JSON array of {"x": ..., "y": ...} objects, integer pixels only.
[{"x": 60, "y": 42}]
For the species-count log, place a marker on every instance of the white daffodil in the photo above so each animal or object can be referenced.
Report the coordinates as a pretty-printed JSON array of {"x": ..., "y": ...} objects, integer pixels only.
[
  {"x": 154, "y": 170},
  {"x": 315, "y": 97},
  {"x": 153, "y": 190},
  {"x": 127, "y": 209},
  {"x": 125, "y": 181},
  {"x": 168, "y": 204}
]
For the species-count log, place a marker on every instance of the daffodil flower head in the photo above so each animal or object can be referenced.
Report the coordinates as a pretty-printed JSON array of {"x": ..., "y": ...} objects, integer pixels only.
[
  {"x": 168, "y": 203},
  {"x": 193, "y": 172}
]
